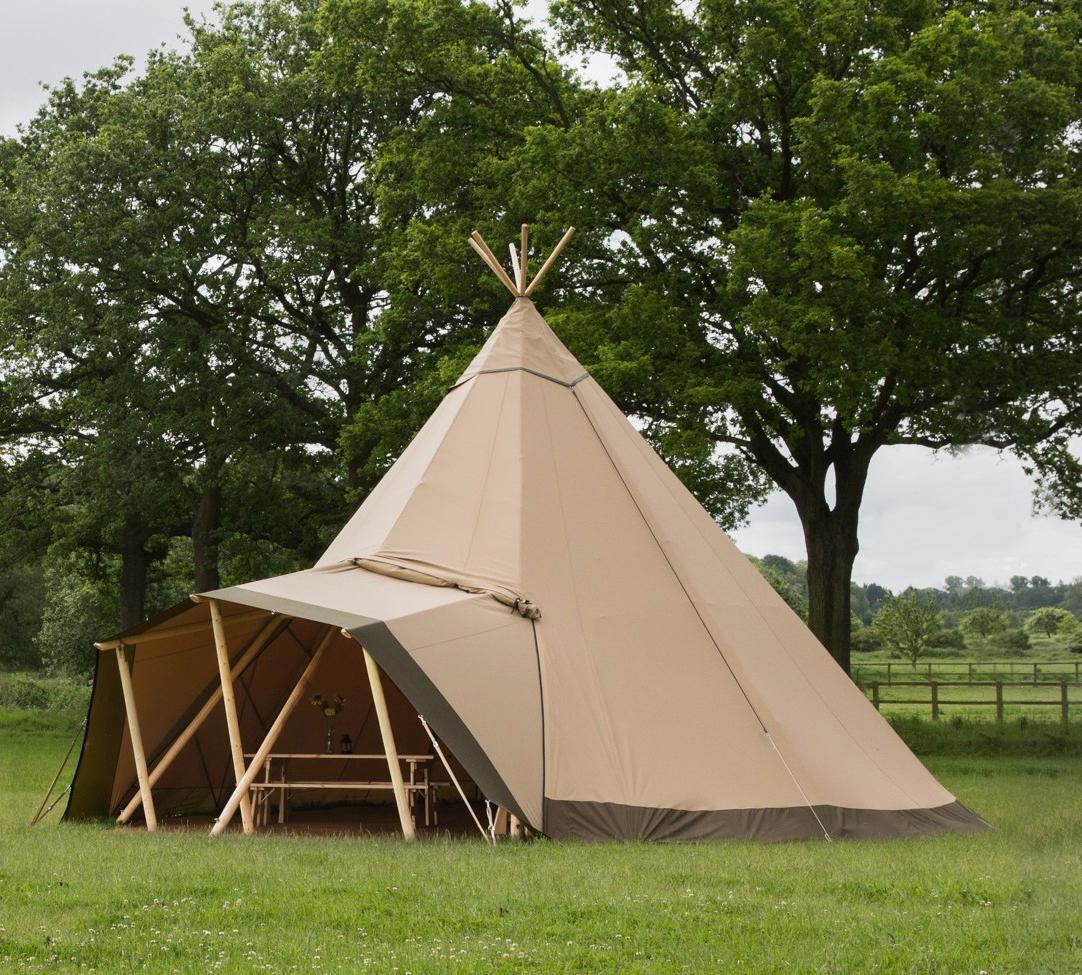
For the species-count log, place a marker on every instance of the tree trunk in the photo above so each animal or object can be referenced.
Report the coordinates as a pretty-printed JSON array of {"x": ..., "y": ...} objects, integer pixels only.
[
  {"x": 831, "y": 541},
  {"x": 205, "y": 537},
  {"x": 134, "y": 562}
]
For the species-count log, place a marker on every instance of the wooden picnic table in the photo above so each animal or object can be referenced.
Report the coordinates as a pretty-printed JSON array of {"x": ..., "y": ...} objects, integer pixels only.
[{"x": 420, "y": 780}]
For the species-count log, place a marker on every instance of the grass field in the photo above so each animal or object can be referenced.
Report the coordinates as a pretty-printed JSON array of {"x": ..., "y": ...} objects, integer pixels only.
[{"x": 84, "y": 898}]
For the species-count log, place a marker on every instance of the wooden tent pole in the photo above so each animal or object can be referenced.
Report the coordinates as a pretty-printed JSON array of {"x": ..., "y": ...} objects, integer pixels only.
[
  {"x": 273, "y": 732},
  {"x": 485, "y": 251},
  {"x": 389, "y": 746},
  {"x": 551, "y": 260},
  {"x": 136, "y": 738},
  {"x": 229, "y": 702},
  {"x": 255, "y": 647},
  {"x": 494, "y": 267},
  {"x": 172, "y": 631},
  {"x": 522, "y": 258},
  {"x": 516, "y": 267}
]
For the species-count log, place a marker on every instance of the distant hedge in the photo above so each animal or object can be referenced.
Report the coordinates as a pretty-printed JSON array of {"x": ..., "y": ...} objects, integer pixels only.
[{"x": 31, "y": 692}]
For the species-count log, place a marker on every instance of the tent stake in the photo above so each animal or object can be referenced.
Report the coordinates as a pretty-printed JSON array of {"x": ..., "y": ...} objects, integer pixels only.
[
  {"x": 136, "y": 738},
  {"x": 229, "y": 702},
  {"x": 389, "y": 746},
  {"x": 273, "y": 732},
  {"x": 255, "y": 647}
]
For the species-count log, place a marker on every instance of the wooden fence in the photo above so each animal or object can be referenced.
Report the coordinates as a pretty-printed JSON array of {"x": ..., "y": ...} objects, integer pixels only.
[
  {"x": 968, "y": 671},
  {"x": 936, "y": 701}
]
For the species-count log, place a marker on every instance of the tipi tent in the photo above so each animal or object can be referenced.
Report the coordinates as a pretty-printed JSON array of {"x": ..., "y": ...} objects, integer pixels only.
[{"x": 532, "y": 579}]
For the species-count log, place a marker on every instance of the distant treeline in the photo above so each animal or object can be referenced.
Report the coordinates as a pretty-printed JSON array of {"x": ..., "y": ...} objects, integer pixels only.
[{"x": 958, "y": 594}]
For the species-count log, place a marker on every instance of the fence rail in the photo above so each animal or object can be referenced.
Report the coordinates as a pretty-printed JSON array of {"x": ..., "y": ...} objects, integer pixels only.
[
  {"x": 1062, "y": 700},
  {"x": 967, "y": 671}
]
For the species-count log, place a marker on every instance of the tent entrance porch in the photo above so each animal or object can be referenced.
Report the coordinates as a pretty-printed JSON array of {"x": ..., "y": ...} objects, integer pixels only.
[{"x": 293, "y": 725}]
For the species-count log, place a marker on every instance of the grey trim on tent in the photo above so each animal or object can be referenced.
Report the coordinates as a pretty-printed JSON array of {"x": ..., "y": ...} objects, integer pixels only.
[
  {"x": 412, "y": 681},
  {"x": 533, "y": 372},
  {"x": 598, "y": 821}
]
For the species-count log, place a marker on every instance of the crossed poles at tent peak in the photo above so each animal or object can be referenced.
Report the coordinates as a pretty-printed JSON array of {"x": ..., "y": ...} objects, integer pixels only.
[{"x": 518, "y": 286}]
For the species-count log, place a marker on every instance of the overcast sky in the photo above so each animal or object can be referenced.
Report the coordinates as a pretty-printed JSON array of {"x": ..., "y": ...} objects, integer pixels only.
[{"x": 924, "y": 517}]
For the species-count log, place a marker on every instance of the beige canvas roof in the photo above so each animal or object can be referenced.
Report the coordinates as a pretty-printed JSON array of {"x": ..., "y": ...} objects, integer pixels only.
[{"x": 594, "y": 650}]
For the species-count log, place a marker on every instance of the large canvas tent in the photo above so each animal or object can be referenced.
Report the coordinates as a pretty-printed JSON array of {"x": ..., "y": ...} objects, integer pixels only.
[{"x": 530, "y": 577}]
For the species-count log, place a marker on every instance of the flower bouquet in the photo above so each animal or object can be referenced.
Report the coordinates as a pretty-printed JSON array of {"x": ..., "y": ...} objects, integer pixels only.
[{"x": 330, "y": 708}]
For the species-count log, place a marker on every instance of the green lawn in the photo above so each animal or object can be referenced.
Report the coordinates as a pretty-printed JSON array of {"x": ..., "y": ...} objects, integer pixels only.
[{"x": 90, "y": 898}]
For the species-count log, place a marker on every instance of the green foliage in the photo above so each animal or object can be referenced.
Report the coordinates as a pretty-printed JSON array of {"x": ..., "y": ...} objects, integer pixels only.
[
  {"x": 31, "y": 692},
  {"x": 1049, "y": 621},
  {"x": 1010, "y": 642},
  {"x": 867, "y": 640},
  {"x": 788, "y": 581},
  {"x": 944, "y": 639},
  {"x": 984, "y": 622},
  {"x": 78, "y": 610},
  {"x": 906, "y": 623}
]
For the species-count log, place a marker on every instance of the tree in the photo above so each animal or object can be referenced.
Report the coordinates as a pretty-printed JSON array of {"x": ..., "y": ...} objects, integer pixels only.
[
  {"x": 1050, "y": 620},
  {"x": 906, "y": 623},
  {"x": 786, "y": 581},
  {"x": 217, "y": 309},
  {"x": 984, "y": 622},
  {"x": 817, "y": 230}
]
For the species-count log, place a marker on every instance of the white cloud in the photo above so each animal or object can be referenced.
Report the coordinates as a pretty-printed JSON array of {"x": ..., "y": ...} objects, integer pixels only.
[
  {"x": 44, "y": 41},
  {"x": 927, "y": 516}
]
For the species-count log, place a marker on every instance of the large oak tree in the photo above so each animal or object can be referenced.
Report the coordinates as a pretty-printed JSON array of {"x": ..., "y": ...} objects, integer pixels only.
[{"x": 824, "y": 228}]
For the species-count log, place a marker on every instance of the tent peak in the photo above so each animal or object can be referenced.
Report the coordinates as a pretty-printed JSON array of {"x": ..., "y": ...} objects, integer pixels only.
[{"x": 518, "y": 286}]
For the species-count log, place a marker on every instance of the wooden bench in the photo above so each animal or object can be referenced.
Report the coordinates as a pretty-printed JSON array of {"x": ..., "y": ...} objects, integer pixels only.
[{"x": 419, "y": 784}]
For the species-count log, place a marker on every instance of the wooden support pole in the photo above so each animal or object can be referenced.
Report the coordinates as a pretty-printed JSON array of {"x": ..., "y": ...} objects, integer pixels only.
[
  {"x": 999, "y": 701},
  {"x": 171, "y": 631},
  {"x": 935, "y": 700},
  {"x": 551, "y": 260},
  {"x": 273, "y": 732},
  {"x": 479, "y": 245},
  {"x": 1064, "y": 702},
  {"x": 875, "y": 694},
  {"x": 229, "y": 703},
  {"x": 136, "y": 738},
  {"x": 516, "y": 267},
  {"x": 255, "y": 647},
  {"x": 524, "y": 245},
  {"x": 389, "y": 747}
]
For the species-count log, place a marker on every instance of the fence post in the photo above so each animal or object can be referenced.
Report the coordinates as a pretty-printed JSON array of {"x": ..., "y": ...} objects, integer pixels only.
[
  {"x": 875, "y": 694},
  {"x": 971, "y": 672},
  {"x": 890, "y": 672},
  {"x": 1064, "y": 705},
  {"x": 1034, "y": 675},
  {"x": 935, "y": 700},
  {"x": 999, "y": 700}
]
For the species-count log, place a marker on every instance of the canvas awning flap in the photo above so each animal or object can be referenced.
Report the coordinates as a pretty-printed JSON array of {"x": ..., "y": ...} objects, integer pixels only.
[{"x": 464, "y": 659}]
